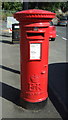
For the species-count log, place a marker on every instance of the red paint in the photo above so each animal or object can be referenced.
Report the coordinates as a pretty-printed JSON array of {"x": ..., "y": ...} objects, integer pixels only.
[
  {"x": 34, "y": 28},
  {"x": 52, "y": 31}
]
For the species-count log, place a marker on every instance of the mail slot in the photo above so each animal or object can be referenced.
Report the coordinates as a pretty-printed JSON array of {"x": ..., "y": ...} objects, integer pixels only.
[{"x": 35, "y": 34}]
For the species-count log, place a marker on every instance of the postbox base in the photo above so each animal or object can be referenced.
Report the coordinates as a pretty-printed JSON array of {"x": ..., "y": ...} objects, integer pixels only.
[{"x": 33, "y": 106}]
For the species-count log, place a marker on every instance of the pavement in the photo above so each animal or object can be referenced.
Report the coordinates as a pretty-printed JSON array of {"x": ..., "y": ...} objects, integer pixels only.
[{"x": 11, "y": 80}]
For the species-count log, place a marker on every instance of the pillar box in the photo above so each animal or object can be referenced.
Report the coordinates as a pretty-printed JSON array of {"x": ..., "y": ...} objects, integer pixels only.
[{"x": 34, "y": 46}]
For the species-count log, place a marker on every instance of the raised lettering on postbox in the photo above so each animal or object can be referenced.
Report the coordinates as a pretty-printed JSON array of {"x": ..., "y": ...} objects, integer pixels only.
[{"x": 34, "y": 87}]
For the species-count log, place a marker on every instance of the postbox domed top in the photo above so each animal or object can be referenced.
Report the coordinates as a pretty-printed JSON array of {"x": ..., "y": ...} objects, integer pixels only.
[{"x": 33, "y": 13}]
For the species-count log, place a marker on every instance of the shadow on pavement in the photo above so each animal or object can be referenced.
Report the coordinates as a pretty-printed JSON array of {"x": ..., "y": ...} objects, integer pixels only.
[
  {"x": 9, "y": 69},
  {"x": 10, "y": 93},
  {"x": 5, "y": 35},
  {"x": 5, "y": 41},
  {"x": 58, "y": 88}
]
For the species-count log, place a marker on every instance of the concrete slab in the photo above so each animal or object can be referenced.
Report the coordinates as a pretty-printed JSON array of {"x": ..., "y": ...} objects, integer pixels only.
[{"x": 11, "y": 110}]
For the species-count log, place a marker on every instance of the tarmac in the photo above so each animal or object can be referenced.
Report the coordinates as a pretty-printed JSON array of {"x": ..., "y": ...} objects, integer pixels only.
[{"x": 11, "y": 84}]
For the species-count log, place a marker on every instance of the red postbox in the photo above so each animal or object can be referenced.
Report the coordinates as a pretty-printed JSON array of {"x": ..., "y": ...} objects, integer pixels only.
[{"x": 34, "y": 44}]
